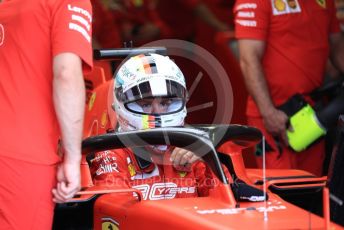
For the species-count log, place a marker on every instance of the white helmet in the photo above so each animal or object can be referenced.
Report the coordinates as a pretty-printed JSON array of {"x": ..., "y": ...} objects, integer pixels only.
[{"x": 149, "y": 76}]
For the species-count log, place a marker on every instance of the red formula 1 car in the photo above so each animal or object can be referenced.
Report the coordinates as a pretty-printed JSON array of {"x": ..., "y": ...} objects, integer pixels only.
[
  {"x": 252, "y": 199},
  {"x": 224, "y": 208}
]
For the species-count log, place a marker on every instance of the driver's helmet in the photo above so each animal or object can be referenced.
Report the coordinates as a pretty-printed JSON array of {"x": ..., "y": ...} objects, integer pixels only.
[{"x": 148, "y": 76}]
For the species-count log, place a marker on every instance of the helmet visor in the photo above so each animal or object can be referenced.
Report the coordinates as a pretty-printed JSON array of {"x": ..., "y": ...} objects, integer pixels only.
[
  {"x": 166, "y": 89},
  {"x": 156, "y": 106}
]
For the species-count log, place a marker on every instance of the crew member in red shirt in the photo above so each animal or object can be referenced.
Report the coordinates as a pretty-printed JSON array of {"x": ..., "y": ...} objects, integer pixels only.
[
  {"x": 150, "y": 92},
  {"x": 106, "y": 31},
  {"x": 141, "y": 23},
  {"x": 284, "y": 45},
  {"x": 181, "y": 17},
  {"x": 136, "y": 21},
  {"x": 43, "y": 46}
]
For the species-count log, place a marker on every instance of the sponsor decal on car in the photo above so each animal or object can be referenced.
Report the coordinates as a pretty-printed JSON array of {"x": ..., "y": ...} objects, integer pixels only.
[
  {"x": 109, "y": 224},
  {"x": 162, "y": 191},
  {"x": 91, "y": 102},
  {"x": 104, "y": 119},
  {"x": 232, "y": 211},
  {"x": 2, "y": 34}
]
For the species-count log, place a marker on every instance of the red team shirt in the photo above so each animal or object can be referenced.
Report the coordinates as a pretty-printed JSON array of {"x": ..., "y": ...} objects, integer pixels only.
[
  {"x": 136, "y": 14},
  {"x": 296, "y": 33},
  {"x": 120, "y": 169},
  {"x": 105, "y": 27},
  {"x": 181, "y": 20},
  {"x": 29, "y": 129}
]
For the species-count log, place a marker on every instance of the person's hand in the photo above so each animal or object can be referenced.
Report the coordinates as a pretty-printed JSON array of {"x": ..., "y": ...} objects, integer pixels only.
[
  {"x": 68, "y": 182},
  {"x": 148, "y": 31},
  {"x": 222, "y": 27},
  {"x": 275, "y": 122},
  {"x": 183, "y": 157}
]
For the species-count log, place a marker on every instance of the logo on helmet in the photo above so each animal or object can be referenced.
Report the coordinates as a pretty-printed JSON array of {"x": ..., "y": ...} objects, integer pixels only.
[{"x": 127, "y": 73}]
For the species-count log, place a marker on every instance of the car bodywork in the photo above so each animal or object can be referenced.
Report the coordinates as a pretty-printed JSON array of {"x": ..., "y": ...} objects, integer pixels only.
[
  {"x": 126, "y": 208},
  {"x": 222, "y": 209}
]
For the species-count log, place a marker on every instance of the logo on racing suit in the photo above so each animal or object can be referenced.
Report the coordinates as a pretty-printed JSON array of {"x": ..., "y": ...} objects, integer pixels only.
[
  {"x": 107, "y": 163},
  {"x": 132, "y": 170},
  {"x": 182, "y": 174},
  {"x": 162, "y": 191},
  {"x": 321, "y": 3}
]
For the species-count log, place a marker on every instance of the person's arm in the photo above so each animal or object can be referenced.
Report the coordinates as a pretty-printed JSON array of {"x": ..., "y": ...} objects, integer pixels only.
[
  {"x": 203, "y": 12},
  {"x": 69, "y": 103},
  {"x": 251, "y": 53},
  {"x": 154, "y": 17},
  {"x": 337, "y": 51}
]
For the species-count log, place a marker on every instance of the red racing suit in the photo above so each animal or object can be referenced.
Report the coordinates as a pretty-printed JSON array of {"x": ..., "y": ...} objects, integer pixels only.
[{"x": 159, "y": 180}]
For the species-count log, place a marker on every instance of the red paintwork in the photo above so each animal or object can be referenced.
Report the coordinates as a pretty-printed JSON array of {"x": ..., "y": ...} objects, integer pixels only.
[
  {"x": 202, "y": 213},
  {"x": 99, "y": 115}
]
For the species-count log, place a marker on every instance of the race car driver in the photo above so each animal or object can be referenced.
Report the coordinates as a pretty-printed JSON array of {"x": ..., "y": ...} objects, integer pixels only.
[{"x": 150, "y": 92}]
